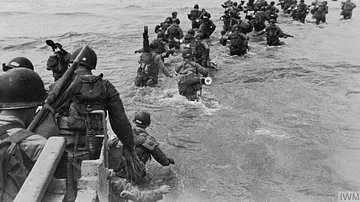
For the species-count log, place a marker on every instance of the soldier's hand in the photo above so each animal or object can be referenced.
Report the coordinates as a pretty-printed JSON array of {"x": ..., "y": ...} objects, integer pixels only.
[
  {"x": 164, "y": 189},
  {"x": 171, "y": 160}
]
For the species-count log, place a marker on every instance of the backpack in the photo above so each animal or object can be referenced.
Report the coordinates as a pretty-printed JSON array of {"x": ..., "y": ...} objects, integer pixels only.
[
  {"x": 236, "y": 43},
  {"x": 188, "y": 75},
  {"x": 148, "y": 67},
  {"x": 91, "y": 97},
  {"x": 13, "y": 173},
  {"x": 272, "y": 32}
]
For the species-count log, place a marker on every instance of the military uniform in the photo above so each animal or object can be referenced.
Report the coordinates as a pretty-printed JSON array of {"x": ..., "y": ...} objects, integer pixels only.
[
  {"x": 105, "y": 97},
  {"x": 207, "y": 27},
  {"x": 147, "y": 147},
  {"x": 32, "y": 145},
  {"x": 273, "y": 33},
  {"x": 189, "y": 82},
  {"x": 148, "y": 72}
]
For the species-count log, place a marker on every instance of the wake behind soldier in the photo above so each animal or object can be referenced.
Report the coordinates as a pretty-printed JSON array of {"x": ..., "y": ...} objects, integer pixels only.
[{"x": 21, "y": 92}]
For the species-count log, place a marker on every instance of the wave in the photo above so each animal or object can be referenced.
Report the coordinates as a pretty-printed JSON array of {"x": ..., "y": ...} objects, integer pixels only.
[
  {"x": 76, "y": 14},
  {"x": 16, "y": 13},
  {"x": 133, "y": 7}
]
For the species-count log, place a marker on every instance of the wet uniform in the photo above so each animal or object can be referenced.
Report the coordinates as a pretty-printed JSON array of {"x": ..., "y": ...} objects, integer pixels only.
[{"x": 147, "y": 147}]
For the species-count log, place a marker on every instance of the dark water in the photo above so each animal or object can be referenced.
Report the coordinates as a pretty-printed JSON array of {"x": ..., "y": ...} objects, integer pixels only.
[{"x": 279, "y": 124}]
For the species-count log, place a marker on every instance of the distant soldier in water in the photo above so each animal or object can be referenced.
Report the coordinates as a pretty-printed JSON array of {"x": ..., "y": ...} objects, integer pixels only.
[
  {"x": 347, "y": 8},
  {"x": 194, "y": 16},
  {"x": 273, "y": 33},
  {"x": 200, "y": 49},
  {"x": 320, "y": 13},
  {"x": 301, "y": 11},
  {"x": 272, "y": 10},
  {"x": 259, "y": 20},
  {"x": 238, "y": 42},
  {"x": 189, "y": 76},
  {"x": 163, "y": 46},
  {"x": 174, "y": 16},
  {"x": 150, "y": 64},
  {"x": 162, "y": 27},
  {"x": 207, "y": 27},
  {"x": 174, "y": 34}
]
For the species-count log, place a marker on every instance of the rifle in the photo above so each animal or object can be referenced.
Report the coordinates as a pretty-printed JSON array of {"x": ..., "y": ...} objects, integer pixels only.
[
  {"x": 55, "y": 100},
  {"x": 146, "y": 44},
  {"x": 288, "y": 35}
]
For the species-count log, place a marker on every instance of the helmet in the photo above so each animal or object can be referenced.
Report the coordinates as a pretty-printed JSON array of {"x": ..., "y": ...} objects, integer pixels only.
[
  {"x": 142, "y": 118},
  {"x": 199, "y": 35},
  {"x": 18, "y": 62},
  {"x": 89, "y": 59},
  {"x": 191, "y": 31},
  {"x": 154, "y": 45},
  {"x": 161, "y": 35},
  {"x": 177, "y": 21},
  {"x": 188, "y": 37},
  {"x": 186, "y": 53},
  {"x": 21, "y": 88}
]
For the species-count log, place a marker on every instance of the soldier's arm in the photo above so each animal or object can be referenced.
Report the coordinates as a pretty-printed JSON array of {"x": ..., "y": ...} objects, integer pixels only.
[
  {"x": 280, "y": 32},
  {"x": 124, "y": 190},
  {"x": 162, "y": 66},
  {"x": 159, "y": 156},
  {"x": 201, "y": 69},
  {"x": 118, "y": 119},
  {"x": 178, "y": 67}
]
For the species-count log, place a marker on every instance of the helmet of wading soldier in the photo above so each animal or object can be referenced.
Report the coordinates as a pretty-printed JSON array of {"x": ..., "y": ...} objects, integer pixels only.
[
  {"x": 18, "y": 62},
  {"x": 21, "y": 88},
  {"x": 186, "y": 53},
  {"x": 154, "y": 45},
  {"x": 142, "y": 119},
  {"x": 89, "y": 59}
]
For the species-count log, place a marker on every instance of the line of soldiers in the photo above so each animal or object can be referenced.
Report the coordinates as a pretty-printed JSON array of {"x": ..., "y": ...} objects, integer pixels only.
[{"x": 195, "y": 53}]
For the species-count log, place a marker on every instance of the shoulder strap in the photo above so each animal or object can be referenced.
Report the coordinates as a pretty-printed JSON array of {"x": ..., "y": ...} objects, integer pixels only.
[
  {"x": 4, "y": 165},
  {"x": 16, "y": 138}
]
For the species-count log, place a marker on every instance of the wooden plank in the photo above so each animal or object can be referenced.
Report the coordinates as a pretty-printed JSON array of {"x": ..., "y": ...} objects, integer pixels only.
[{"x": 39, "y": 178}]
